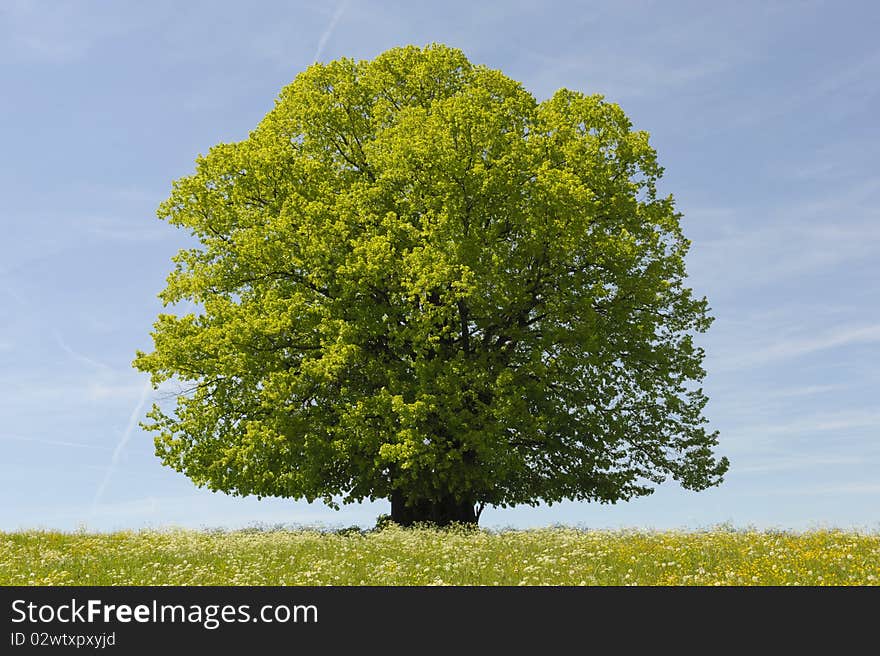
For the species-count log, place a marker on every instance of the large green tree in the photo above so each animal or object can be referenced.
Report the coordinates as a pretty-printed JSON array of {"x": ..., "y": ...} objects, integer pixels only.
[{"x": 417, "y": 283}]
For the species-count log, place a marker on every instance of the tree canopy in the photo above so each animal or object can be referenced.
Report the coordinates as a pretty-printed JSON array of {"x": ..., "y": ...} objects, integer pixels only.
[{"x": 415, "y": 282}]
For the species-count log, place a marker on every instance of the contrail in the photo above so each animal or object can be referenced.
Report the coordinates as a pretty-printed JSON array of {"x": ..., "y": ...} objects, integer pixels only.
[
  {"x": 79, "y": 356},
  {"x": 126, "y": 434},
  {"x": 326, "y": 35},
  {"x": 123, "y": 441}
]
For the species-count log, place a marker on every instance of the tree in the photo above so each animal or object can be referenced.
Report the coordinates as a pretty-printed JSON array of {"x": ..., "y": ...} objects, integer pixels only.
[{"x": 417, "y": 283}]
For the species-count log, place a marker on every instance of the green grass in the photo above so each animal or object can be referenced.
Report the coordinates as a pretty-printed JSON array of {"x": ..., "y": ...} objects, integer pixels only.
[{"x": 394, "y": 556}]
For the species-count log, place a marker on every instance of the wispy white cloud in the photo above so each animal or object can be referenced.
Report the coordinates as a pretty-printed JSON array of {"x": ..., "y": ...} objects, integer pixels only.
[
  {"x": 801, "y": 391},
  {"x": 843, "y": 423},
  {"x": 40, "y": 440},
  {"x": 79, "y": 357},
  {"x": 839, "y": 92},
  {"x": 57, "y": 32},
  {"x": 797, "y": 462},
  {"x": 102, "y": 387},
  {"x": 325, "y": 35},
  {"x": 129, "y": 430},
  {"x": 823, "y": 490},
  {"x": 123, "y": 441},
  {"x": 97, "y": 391},
  {"x": 790, "y": 347},
  {"x": 838, "y": 422},
  {"x": 29, "y": 393},
  {"x": 735, "y": 402},
  {"x": 692, "y": 53},
  {"x": 619, "y": 77},
  {"x": 736, "y": 248}
]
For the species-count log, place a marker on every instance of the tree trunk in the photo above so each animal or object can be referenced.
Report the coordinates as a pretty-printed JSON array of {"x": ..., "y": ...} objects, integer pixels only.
[{"x": 442, "y": 512}]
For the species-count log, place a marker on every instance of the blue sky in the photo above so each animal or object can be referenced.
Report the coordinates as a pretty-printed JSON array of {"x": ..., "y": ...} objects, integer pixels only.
[{"x": 763, "y": 114}]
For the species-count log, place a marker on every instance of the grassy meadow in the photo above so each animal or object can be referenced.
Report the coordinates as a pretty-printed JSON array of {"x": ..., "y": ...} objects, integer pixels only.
[{"x": 395, "y": 556}]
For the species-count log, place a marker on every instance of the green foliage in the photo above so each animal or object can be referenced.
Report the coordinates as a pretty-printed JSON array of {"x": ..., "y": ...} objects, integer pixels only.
[{"x": 413, "y": 276}]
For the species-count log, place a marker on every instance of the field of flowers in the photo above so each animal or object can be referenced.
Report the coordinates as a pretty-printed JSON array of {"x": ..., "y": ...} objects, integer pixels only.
[{"x": 394, "y": 556}]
